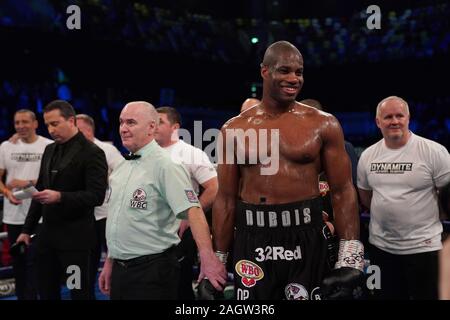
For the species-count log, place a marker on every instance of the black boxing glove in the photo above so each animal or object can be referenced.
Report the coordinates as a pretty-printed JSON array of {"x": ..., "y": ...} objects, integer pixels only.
[
  {"x": 347, "y": 279},
  {"x": 206, "y": 291}
]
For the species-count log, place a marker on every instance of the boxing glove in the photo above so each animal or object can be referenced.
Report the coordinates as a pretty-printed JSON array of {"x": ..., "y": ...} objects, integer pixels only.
[
  {"x": 347, "y": 279},
  {"x": 206, "y": 291}
]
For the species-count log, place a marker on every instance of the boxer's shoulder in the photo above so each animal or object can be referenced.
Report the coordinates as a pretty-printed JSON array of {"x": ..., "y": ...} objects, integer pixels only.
[{"x": 240, "y": 121}]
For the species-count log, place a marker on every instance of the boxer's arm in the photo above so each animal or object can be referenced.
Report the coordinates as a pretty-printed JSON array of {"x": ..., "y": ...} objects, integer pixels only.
[
  {"x": 347, "y": 274},
  {"x": 224, "y": 206},
  {"x": 337, "y": 167}
]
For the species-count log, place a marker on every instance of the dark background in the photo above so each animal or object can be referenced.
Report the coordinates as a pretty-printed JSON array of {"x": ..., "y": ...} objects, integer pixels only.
[{"x": 197, "y": 56}]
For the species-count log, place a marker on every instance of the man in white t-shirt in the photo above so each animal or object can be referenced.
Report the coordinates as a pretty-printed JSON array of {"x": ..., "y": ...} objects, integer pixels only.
[
  {"x": 202, "y": 174},
  {"x": 21, "y": 162},
  {"x": 398, "y": 179},
  {"x": 86, "y": 125}
]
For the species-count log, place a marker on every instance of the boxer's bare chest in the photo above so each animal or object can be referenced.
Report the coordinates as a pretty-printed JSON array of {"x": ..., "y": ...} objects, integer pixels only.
[{"x": 289, "y": 137}]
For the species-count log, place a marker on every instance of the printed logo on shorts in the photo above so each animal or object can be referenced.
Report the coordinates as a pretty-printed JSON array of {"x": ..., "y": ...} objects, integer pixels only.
[
  {"x": 295, "y": 291},
  {"x": 250, "y": 272},
  {"x": 138, "y": 200},
  {"x": 326, "y": 232},
  {"x": 191, "y": 196},
  {"x": 316, "y": 294},
  {"x": 323, "y": 188}
]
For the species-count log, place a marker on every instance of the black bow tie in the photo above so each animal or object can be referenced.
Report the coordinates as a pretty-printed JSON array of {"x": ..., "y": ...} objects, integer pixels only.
[{"x": 131, "y": 156}]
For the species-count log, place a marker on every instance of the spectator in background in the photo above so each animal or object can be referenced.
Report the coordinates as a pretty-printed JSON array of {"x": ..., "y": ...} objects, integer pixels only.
[
  {"x": 21, "y": 161},
  {"x": 86, "y": 125},
  {"x": 202, "y": 174},
  {"x": 248, "y": 103},
  {"x": 444, "y": 256},
  {"x": 398, "y": 179}
]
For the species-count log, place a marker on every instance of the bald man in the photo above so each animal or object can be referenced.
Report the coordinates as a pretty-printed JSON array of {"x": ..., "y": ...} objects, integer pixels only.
[
  {"x": 280, "y": 249},
  {"x": 398, "y": 178},
  {"x": 148, "y": 193},
  {"x": 248, "y": 103}
]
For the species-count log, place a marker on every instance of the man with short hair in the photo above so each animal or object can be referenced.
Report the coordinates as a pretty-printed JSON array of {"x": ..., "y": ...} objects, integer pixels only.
[
  {"x": 272, "y": 206},
  {"x": 86, "y": 125},
  {"x": 202, "y": 174},
  {"x": 149, "y": 193},
  {"x": 398, "y": 179},
  {"x": 21, "y": 161},
  {"x": 72, "y": 181}
]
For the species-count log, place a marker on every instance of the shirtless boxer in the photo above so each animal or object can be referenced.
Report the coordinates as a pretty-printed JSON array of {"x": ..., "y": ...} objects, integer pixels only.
[{"x": 280, "y": 247}]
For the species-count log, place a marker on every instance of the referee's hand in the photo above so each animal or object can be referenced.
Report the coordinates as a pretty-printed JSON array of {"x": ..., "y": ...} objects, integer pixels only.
[
  {"x": 104, "y": 280},
  {"x": 213, "y": 269}
]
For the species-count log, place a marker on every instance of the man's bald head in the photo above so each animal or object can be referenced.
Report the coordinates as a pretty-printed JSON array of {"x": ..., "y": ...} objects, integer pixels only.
[
  {"x": 394, "y": 99},
  {"x": 248, "y": 103},
  {"x": 147, "y": 110},
  {"x": 138, "y": 121},
  {"x": 277, "y": 49}
]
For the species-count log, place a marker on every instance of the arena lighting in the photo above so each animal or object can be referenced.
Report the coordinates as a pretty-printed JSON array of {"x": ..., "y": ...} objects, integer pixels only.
[
  {"x": 64, "y": 92},
  {"x": 255, "y": 40}
]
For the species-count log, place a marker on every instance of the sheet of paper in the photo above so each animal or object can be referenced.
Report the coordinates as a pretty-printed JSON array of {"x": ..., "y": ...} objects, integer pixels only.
[{"x": 25, "y": 193}]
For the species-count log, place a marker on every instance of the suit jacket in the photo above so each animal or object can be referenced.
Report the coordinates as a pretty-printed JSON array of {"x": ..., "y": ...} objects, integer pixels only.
[{"x": 81, "y": 177}]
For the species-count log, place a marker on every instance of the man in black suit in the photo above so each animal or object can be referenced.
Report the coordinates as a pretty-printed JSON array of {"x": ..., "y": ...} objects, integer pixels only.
[{"x": 72, "y": 181}]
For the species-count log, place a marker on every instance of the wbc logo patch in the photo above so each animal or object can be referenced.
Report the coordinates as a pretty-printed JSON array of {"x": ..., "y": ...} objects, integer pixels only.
[
  {"x": 191, "y": 196},
  {"x": 138, "y": 199}
]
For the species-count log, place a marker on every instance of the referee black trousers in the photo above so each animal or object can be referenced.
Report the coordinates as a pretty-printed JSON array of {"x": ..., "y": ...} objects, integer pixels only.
[{"x": 151, "y": 277}]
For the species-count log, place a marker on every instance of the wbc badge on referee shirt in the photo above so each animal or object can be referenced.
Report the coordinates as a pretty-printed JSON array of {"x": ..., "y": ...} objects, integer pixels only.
[
  {"x": 191, "y": 196},
  {"x": 138, "y": 199}
]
